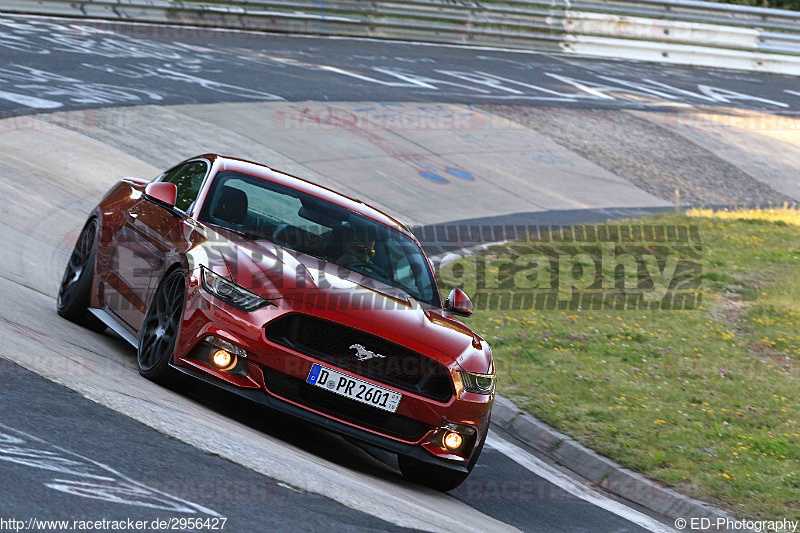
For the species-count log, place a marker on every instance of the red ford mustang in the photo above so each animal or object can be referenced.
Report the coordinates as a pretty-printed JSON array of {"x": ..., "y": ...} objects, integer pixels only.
[{"x": 293, "y": 296}]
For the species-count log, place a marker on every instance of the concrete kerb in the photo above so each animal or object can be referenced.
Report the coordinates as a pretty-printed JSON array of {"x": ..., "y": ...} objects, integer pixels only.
[{"x": 545, "y": 441}]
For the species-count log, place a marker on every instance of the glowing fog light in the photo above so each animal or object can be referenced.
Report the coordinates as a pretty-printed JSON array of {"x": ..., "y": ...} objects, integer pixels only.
[
  {"x": 220, "y": 354},
  {"x": 453, "y": 440},
  {"x": 223, "y": 359}
]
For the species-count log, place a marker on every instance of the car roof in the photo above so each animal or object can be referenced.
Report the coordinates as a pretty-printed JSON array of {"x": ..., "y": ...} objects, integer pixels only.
[{"x": 263, "y": 171}]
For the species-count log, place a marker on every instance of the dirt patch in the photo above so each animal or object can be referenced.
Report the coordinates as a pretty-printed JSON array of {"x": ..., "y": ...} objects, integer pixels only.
[
  {"x": 731, "y": 310},
  {"x": 650, "y": 156}
]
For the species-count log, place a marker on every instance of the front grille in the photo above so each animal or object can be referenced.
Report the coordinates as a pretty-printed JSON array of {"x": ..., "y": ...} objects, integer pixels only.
[
  {"x": 333, "y": 343},
  {"x": 331, "y": 403}
]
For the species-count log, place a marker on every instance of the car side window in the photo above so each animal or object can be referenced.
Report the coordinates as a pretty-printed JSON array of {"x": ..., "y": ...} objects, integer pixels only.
[{"x": 188, "y": 178}]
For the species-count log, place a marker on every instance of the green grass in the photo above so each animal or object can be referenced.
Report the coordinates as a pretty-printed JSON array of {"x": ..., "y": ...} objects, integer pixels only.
[{"x": 706, "y": 401}]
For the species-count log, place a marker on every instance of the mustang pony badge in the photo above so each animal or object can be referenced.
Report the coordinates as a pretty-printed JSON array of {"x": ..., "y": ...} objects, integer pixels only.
[{"x": 363, "y": 354}]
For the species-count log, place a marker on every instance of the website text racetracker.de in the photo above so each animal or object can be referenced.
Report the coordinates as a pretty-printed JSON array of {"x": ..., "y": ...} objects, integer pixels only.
[{"x": 127, "y": 524}]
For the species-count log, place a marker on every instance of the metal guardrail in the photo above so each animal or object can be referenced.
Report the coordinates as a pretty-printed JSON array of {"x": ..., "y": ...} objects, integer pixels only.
[
  {"x": 679, "y": 31},
  {"x": 513, "y": 11}
]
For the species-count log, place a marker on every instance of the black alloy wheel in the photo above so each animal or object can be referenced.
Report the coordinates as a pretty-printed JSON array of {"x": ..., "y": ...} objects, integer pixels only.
[
  {"x": 74, "y": 293},
  {"x": 159, "y": 332}
]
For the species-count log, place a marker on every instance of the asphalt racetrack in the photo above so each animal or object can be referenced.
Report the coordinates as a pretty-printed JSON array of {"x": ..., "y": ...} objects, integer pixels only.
[
  {"x": 84, "y": 64},
  {"x": 431, "y": 134}
]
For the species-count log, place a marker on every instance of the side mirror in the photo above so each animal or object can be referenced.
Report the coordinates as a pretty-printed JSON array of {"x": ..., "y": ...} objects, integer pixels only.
[
  {"x": 458, "y": 303},
  {"x": 163, "y": 192}
]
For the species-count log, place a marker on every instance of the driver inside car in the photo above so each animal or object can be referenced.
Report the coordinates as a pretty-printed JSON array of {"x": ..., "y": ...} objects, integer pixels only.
[
  {"x": 357, "y": 253},
  {"x": 356, "y": 249}
]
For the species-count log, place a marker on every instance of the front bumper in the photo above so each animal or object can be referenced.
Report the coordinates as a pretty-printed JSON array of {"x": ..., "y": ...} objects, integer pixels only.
[
  {"x": 276, "y": 378},
  {"x": 346, "y": 430}
]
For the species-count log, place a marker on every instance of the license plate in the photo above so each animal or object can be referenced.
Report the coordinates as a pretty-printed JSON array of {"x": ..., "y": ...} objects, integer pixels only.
[{"x": 354, "y": 388}]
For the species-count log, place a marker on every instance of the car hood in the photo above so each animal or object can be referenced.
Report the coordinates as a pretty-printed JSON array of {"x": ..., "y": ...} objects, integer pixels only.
[{"x": 278, "y": 273}]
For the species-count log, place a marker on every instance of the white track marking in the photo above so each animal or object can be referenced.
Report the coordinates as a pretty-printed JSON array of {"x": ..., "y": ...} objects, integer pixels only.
[
  {"x": 301, "y": 36},
  {"x": 120, "y": 475},
  {"x": 572, "y": 486},
  {"x": 29, "y": 101}
]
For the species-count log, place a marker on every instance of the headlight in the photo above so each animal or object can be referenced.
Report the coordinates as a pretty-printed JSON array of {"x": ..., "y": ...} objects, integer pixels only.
[
  {"x": 477, "y": 383},
  {"x": 231, "y": 293}
]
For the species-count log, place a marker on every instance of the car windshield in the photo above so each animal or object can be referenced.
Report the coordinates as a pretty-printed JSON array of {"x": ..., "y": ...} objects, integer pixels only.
[{"x": 261, "y": 209}]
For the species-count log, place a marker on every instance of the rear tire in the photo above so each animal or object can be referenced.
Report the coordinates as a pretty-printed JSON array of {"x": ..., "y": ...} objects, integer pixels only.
[
  {"x": 160, "y": 329},
  {"x": 75, "y": 291},
  {"x": 437, "y": 477}
]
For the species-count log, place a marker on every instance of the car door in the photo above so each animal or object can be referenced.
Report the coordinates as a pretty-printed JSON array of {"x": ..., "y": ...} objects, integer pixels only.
[{"x": 148, "y": 237}]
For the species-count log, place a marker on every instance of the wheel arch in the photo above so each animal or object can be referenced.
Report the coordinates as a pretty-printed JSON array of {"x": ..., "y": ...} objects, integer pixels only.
[{"x": 174, "y": 266}]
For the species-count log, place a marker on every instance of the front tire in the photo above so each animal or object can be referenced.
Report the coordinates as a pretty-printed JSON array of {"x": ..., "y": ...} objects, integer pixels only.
[
  {"x": 437, "y": 477},
  {"x": 74, "y": 293},
  {"x": 160, "y": 329}
]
